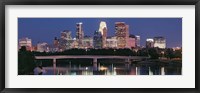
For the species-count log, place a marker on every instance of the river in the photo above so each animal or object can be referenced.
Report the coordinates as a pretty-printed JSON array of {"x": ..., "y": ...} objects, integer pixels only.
[{"x": 115, "y": 68}]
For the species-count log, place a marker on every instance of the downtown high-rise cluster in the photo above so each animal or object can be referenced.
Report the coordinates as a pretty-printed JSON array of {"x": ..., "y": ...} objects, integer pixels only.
[{"x": 100, "y": 39}]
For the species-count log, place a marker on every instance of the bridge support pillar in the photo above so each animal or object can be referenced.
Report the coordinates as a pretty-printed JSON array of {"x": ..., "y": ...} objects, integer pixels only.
[
  {"x": 112, "y": 67},
  {"x": 162, "y": 71},
  {"x": 127, "y": 63},
  {"x": 150, "y": 72},
  {"x": 54, "y": 66},
  {"x": 138, "y": 70},
  {"x": 94, "y": 63}
]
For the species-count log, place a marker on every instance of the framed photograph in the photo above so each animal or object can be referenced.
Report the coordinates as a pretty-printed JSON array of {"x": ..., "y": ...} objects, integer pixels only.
[{"x": 99, "y": 46}]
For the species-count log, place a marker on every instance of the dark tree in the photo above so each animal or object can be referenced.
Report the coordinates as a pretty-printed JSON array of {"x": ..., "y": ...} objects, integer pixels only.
[
  {"x": 26, "y": 62},
  {"x": 169, "y": 53},
  {"x": 23, "y": 48},
  {"x": 178, "y": 54},
  {"x": 153, "y": 53}
]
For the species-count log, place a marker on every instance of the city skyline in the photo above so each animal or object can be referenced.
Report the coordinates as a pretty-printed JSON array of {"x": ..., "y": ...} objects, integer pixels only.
[{"x": 45, "y": 29}]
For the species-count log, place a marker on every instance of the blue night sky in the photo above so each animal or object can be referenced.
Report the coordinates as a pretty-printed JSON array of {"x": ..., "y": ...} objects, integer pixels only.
[{"x": 45, "y": 29}]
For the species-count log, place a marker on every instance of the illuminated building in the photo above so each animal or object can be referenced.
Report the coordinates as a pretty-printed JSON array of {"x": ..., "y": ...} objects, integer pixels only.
[
  {"x": 149, "y": 43},
  {"x": 55, "y": 46},
  {"x": 159, "y": 42},
  {"x": 62, "y": 44},
  {"x": 111, "y": 42},
  {"x": 131, "y": 42},
  {"x": 42, "y": 47},
  {"x": 66, "y": 40},
  {"x": 74, "y": 43},
  {"x": 65, "y": 44},
  {"x": 69, "y": 43},
  {"x": 66, "y": 34},
  {"x": 176, "y": 48},
  {"x": 137, "y": 41},
  {"x": 34, "y": 48},
  {"x": 103, "y": 30},
  {"x": 52, "y": 48},
  {"x": 127, "y": 35},
  {"x": 122, "y": 34},
  {"x": 56, "y": 42},
  {"x": 79, "y": 34},
  {"x": 88, "y": 42},
  {"x": 97, "y": 40},
  {"x": 25, "y": 42}
]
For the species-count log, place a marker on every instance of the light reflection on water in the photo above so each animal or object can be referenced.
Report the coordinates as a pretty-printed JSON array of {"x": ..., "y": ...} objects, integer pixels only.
[{"x": 133, "y": 69}]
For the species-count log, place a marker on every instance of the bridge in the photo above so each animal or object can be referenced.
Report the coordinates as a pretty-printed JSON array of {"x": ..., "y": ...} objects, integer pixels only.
[{"x": 128, "y": 59}]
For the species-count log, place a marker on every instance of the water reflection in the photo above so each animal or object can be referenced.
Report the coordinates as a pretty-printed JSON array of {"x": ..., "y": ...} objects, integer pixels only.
[{"x": 116, "y": 69}]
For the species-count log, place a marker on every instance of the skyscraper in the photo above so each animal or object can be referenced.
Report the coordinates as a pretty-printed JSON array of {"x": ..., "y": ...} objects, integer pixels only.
[
  {"x": 159, "y": 42},
  {"x": 66, "y": 34},
  {"x": 137, "y": 41},
  {"x": 88, "y": 42},
  {"x": 122, "y": 34},
  {"x": 97, "y": 40},
  {"x": 65, "y": 40},
  {"x": 25, "y": 42},
  {"x": 55, "y": 46},
  {"x": 131, "y": 41},
  {"x": 103, "y": 30},
  {"x": 79, "y": 34},
  {"x": 62, "y": 44},
  {"x": 55, "y": 42},
  {"x": 127, "y": 35},
  {"x": 149, "y": 43}
]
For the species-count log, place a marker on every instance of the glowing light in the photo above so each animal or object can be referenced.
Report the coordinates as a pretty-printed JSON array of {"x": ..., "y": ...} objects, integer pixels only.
[
  {"x": 80, "y": 23},
  {"x": 103, "y": 68},
  {"x": 102, "y": 26}
]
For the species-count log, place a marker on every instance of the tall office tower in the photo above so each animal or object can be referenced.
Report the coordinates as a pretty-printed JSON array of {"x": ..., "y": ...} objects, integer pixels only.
[
  {"x": 79, "y": 34},
  {"x": 159, "y": 42},
  {"x": 103, "y": 30},
  {"x": 66, "y": 34},
  {"x": 55, "y": 42},
  {"x": 88, "y": 42},
  {"x": 66, "y": 40},
  {"x": 121, "y": 33},
  {"x": 25, "y": 42},
  {"x": 137, "y": 41},
  {"x": 149, "y": 43},
  {"x": 131, "y": 42},
  {"x": 97, "y": 40},
  {"x": 55, "y": 46},
  {"x": 62, "y": 44}
]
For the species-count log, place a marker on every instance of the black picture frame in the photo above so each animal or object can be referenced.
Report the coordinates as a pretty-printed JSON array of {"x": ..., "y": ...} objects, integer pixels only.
[{"x": 3, "y": 3}]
